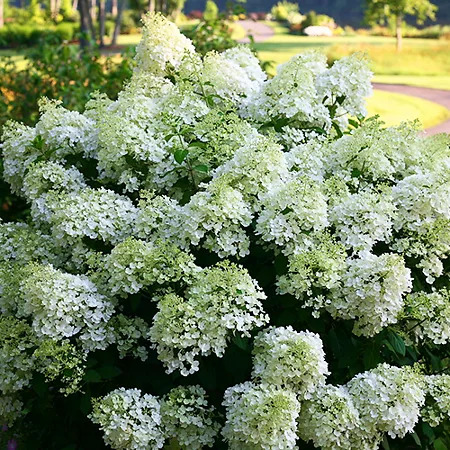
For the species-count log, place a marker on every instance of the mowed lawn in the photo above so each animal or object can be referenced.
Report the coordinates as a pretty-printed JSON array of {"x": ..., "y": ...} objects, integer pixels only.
[{"x": 423, "y": 62}]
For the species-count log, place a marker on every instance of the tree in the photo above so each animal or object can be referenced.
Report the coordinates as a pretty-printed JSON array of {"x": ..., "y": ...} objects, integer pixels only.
[
  {"x": 1, "y": 14},
  {"x": 378, "y": 11}
]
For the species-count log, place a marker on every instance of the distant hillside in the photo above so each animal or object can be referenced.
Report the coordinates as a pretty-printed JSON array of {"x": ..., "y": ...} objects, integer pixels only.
[{"x": 346, "y": 12}]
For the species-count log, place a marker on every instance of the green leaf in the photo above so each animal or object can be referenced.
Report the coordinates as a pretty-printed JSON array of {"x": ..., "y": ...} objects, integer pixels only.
[
  {"x": 201, "y": 168},
  {"x": 242, "y": 342},
  {"x": 416, "y": 438},
  {"x": 385, "y": 443},
  {"x": 92, "y": 376},
  {"x": 198, "y": 144},
  {"x": 397, "y": 343},
  {"x": 439, "y": 444},
  {"x": 180, "y": 155},
  {"x": 108, "y": 372}
]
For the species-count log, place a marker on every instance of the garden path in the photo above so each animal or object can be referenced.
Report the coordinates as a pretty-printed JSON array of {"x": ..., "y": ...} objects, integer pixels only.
[
  {"x": 259, "y": 30},
  {"x": 439, "y": 96}
]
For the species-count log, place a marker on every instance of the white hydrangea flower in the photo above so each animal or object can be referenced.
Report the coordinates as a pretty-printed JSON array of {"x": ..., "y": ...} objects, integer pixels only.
[
  {"x": 428, "y": 315},
  {"x": 438, "y": 409},
  {"x": 347, "y": 82},
  {"x": 321, "y": 267},
  {"x": 64, "y": 131},
  {"x": 331, "y": 421},
  {"x": 260, "y": 417},
  {"x": 285, "y": 357},
  {"x": 421, "y": 199},
  {"x": 254, "y": 168},
  {"x": 290, "y": 213},
  {"x": 233, "y": 75},
  {"x": 187, "y": 417},
  {"x": 222, "y": 301},
  {"x": 134, "y": 264},
  {"x": 363, "y": 219},
  {"x": 307, "y": 160},
  {"x": 292, "y": 93},
  {"x": 20, "y": 243},
  {"x": 129, "y": 420},
  {"x": 51, "y": 176},
  {"x": 93, "y": 213},
  {"x": 161, "y": 47},
  {"x": 218, "y": 216},
  {"x": 388, "y": 399},
  {"x": 371, "y": 291},
  {"x": 16, "y": 342},
  {"x": 18, "y": 153},
  {"x": 373, "y": 153},
  {"x": 11, "y": 408},
  {"x": 64, "y": 305}
]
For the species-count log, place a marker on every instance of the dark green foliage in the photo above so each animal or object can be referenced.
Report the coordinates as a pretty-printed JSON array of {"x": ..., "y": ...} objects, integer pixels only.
[{"x": 211, "y": 35}]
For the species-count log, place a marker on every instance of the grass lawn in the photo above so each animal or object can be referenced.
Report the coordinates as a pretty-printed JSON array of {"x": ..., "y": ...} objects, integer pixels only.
[
  {"x": 396, "y": 108},
  {"x": 419, "y": 63}
]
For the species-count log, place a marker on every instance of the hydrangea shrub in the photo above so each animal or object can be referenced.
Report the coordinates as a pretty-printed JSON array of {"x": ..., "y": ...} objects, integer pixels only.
[{"x": 219, "y": 260}]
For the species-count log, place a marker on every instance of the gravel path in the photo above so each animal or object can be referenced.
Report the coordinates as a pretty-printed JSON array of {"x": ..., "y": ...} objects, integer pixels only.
[
  {"x": 439, "y": 96},
  {"x": 260, "y": 31}
]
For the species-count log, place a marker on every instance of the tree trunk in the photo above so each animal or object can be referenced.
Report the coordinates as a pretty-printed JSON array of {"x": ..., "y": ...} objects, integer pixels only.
[
  {"x": 93, "y": 7},
  {"x": 2, "y": 20},
  {"x": 101, "y": 21},
  {"x": 399, "y": 23},
  {"x": 86, "y": 31},
  {"x": 74, "y": 5},
  {"x": 151, "y": 5},
  {"x": 114, "y": 8},
  {"x": 57, "y": 7},
  {"x": 118, "y": 22}
]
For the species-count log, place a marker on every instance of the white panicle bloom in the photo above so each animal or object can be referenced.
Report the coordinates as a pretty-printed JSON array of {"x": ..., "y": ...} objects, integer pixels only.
[
  {"x": 11, "y": 408},
  {"x": 64, "y": 305},
  {"x": 21, "y": 244},
  {"x": 421, "y": 199},
  {"x": 292, "y": 92},
  {"x": 160, "y": 217},
  {"x": 363, "y": 219},
  {"x": 129, "y": 420},
  {"x": 388, "y": 399},
  {"x": 438, "y": 409},
  {"x": 51, "y": 176},
  {"x": 161, "y": 47},
  {"x": 347, "y": 82},
  {"x": 371, "y": 292},
  {"x": 307, "y": 160},
  {"x": 285, "y": 357},
  {"x": 428, "y": 316},
  {"x": 222, "y": 301},
  {"x": 130, "y": 335},
  {"x": 331, "y": 421},
  {"x": 372, "y": 152},
  {"x": 134, "y": 264},
  {"x": 93, "y": 213},
  {"x": 64, "y": 131},
  {"x": 290, "y": 212},
  {"x": 234, "y": 75},
  {"x": 16, "y": 343},
  {"x": 321, "y": 267},
  {"x": 18, "y": 153},
  {"x": 130, "y": 154},
  {"x": 219, "y": 216},
  {"x": 260, "y": 417},
  {"x": 254, "y": 168},
  {"x": 187, "y": 417}
]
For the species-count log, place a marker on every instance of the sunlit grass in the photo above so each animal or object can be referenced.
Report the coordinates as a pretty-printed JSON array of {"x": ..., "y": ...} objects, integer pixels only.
[{"x": 396, "y": 108}]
